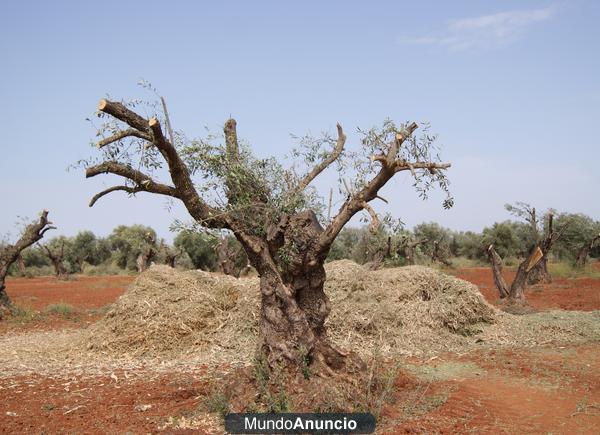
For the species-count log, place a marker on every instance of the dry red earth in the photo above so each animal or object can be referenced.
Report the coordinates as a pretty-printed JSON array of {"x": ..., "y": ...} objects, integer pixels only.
[
  {"x": 83, "y": 292},
  {"x": 579, "y": 294},
  {"x": 538, "y": 390}
]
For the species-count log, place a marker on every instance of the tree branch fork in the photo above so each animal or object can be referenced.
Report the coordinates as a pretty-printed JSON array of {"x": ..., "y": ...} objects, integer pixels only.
[{"x": 183, "y": 188}]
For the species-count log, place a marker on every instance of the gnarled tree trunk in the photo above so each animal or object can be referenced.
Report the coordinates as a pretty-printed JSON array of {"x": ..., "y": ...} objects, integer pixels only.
[
  {"x": 294, "y": 306},
  {"x": 540, "y": 272},
  {"x": 584, "y": 251},
  {"x": 145, "y": 258},
  {"x": 516, "y": 293},
  {"x": 57, "y": 260},
  {"x": 9, "y": 254}
]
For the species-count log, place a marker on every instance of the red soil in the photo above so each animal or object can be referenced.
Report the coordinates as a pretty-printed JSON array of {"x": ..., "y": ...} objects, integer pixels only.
[
  {"x": 538, "y": 390},
  {"x": 580, "y": 294},
  {"x": 83, "y": 292},
  {"x": 97, "y": 405}
]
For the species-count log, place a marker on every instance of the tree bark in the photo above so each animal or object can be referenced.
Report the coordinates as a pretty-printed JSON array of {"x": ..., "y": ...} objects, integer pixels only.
[
  {"x": 517, "y": 288},
  {"x": 21, "y": 263},
  {"x": 516, "y": 293},
  {"x": 294, "y": 305},
  {"x": 540, "y": 272},
  {"x": 496, "y": 262}
]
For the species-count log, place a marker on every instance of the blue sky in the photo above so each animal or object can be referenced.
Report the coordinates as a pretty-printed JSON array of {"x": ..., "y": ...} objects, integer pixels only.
[{"x": 512, "y": 89}]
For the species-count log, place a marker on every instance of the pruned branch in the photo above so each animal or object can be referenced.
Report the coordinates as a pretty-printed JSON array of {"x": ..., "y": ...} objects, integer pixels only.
[
  {"x": 124, "y": 114},
  {"x": 401, "y": 136},
  {"x": 356, "y": 201},
  {"x": 335, "y": 154},
  {"x": 122, "y": 135},
  {"x": 231, "y": 141},
  {"x": 374, "y": 218},
  {"x": 131, "y": 190},
  {"x": 142, "y": 181},
  {"x": 183, "y": 187},
  {"x": 496, "y": 261}
]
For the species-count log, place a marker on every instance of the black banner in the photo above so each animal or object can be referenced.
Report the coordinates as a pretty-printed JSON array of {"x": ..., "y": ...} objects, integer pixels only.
[{"x": 291, "y": 423}]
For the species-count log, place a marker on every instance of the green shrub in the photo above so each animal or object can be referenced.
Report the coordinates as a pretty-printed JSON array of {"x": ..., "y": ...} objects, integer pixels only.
[
  {"x": 567, "y": 270},
  {"x": 107, "y": 268}
]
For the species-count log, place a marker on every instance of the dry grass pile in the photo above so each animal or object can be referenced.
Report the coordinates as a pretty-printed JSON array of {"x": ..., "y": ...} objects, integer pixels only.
[
  {"x": 410, "y": 310},
  {"x": 401, "y": 310},
  {"x": 166, "y": 311}
]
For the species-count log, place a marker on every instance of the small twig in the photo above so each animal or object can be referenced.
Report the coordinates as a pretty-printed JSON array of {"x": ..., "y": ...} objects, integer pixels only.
[{"x": 74, "y": 409}]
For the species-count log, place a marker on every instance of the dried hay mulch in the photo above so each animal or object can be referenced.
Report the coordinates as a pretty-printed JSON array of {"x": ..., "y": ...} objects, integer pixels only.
[
  {"x": 166, "y": 312},
  {"x": 411, "y": 310},
  {"x": 175, "y": 320}
]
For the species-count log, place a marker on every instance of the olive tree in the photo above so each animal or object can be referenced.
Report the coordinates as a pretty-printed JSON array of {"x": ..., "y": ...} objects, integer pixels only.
[
  {"x": 272, "y": 211},
  {"x": 132, "y": 246},
  {"x": 545, "y": 239},
  {"x": 11, "y": 252},
  {"x": 199, "y": 247}
]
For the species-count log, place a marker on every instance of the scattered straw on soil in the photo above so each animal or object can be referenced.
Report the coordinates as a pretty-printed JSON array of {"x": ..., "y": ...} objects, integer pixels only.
[{"x": 174, "y": 320}]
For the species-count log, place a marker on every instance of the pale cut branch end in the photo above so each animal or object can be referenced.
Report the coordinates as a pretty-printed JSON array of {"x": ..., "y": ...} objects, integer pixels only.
[{"x": 102, "y": 104}]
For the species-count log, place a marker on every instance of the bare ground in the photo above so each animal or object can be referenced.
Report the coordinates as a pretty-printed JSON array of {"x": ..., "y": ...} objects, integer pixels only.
[{"x": 535, "y": 388}]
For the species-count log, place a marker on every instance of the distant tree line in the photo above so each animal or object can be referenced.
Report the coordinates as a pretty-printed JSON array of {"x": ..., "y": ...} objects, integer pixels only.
[
  {"x": 130, "y": 249},
  {"x": 429, "y": 243}
]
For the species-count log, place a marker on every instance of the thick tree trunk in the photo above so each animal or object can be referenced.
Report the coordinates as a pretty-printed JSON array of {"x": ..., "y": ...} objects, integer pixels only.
[
  {"x": 584, "y": 252},
  {"x": 517, "y": 288},
  {"x": 293, "y": 315},
  {"x": 294, "y": 305},
  {"x": 56, "y": 258},
  {"x": 171, "y": 260},
  {"x": 516, "y": 293},
  {"x": 496, "y": 262},
  {"x": 408, "y": 250},
  {"x": 540, "y": 273},
  {"x": 143, "y": 260},
  {"x": 59, "y": 267}
]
